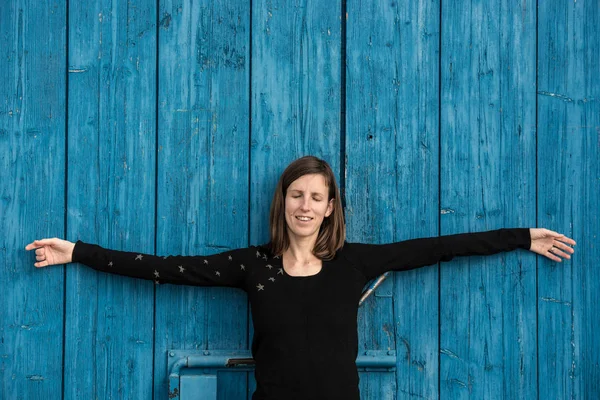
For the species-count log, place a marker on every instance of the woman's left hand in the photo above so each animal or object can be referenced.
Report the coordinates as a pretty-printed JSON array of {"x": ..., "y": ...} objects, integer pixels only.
[{"x": 551, "y": 244}]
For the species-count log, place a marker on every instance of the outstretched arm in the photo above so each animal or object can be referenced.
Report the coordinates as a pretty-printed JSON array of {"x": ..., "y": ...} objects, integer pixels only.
[
  {"x": 222, "y": 269},
  {"x": 375, "y": 259}
]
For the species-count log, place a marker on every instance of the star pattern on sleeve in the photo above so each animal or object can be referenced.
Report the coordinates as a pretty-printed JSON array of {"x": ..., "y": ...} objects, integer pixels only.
[
  {"x": 257, "y": 254},
  {"x": 110, "y": 264},
  {"x": 156, "y": 274},
  {"x": 260, "y": 287},
  {"x": 139, "y": 257},
  {"x": 217, "y": 273},
  {"x": 269, "y": 266},
  {"x": 230, "y": 258},
  {"x": 181, "y": 269},
  {"x": 206, "y": 262},
  {"x": 242, "y": 267},
  {"x": 280, "y": 272},
  {"x": 272, "y": 279}
]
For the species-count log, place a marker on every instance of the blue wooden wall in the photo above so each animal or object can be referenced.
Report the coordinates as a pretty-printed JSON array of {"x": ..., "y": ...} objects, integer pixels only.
[{"x": 162, "y": 127}]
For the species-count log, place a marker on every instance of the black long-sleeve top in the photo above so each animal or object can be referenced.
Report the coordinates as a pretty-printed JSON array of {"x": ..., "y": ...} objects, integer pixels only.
[{"x": 305, "y": 328}]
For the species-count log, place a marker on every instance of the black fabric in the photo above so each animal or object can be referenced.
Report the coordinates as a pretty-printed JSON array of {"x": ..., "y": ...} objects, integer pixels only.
[{"x": 305, "y": 329}]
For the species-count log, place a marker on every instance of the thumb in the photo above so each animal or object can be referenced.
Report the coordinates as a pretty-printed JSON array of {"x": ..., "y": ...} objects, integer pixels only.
[
  {"x": 553, "y": 234},
  {"x": 39, "y": 243}
]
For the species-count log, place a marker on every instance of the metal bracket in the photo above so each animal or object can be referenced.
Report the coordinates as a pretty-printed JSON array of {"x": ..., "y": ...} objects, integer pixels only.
[{"x": 211, "y": 361}]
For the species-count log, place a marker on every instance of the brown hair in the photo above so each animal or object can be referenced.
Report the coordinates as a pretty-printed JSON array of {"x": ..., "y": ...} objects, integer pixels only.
[{"x": 332, "y": 232}]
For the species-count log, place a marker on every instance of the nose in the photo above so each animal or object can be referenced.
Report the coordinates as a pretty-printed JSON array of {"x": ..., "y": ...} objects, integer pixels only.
[{"x": 306, "y": 204}]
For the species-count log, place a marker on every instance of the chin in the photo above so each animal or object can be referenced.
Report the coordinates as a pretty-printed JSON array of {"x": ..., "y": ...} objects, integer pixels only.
[{"x": 302, "y": 233}]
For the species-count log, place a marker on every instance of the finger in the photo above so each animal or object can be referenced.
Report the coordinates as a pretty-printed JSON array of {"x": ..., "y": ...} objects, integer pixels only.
[
  {"x": 41, "y": 264},
  {"x": 552, "y": 257},
  {"x": 40, "y": 251},
  {"x": 39, "y": 243},
  {"x": 567, "y": 240},
  {"x": 559, "y": 253},
  {"x": 30, "y": 246},
  {"x": 563, "y": 246},
  {"x": 40, "y": 258},
  {"x": 551, "y": 233}
]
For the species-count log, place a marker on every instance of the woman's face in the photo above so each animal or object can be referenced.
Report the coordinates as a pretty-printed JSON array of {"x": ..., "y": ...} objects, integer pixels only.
[{"x": 307, "y": 197}]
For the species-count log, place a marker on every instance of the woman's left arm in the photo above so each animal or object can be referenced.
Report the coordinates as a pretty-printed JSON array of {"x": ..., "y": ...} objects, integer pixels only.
[{"x": 375, "y": 259}]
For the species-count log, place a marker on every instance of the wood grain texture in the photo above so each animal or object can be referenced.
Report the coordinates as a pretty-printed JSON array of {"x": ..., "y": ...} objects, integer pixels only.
[
  {"x": 295, "y": 96},
  {"x": 403, "y": 51},
  {"x": 568, "y": 100},
  {"x": 32, "y": 171},
  {"x": 390, "y": 139},
  {"x": 447, "y": 129},
  {"x": 112, "y": 75},
  {"x": 487, "y": 332},
  {"x": 204, "y": 61}
]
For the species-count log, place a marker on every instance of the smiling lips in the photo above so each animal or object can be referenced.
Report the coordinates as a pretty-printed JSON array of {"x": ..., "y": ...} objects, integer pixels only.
[{"x": 303, "y": 218}]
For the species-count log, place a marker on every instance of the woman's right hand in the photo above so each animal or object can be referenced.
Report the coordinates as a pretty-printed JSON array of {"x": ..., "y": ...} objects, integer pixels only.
[{"x": 51, "y": 251}]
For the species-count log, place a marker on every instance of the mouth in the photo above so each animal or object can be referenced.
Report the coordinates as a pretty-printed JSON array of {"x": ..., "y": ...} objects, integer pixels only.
[{"x": 303, "y": 219}]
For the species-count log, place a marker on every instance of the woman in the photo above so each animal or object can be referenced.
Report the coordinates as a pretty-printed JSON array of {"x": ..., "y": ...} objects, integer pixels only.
[{"x": 305, "y": 284}]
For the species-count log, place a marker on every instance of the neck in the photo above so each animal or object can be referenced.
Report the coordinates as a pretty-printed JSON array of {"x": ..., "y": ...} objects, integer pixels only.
[{"x": 300, "y": 249}]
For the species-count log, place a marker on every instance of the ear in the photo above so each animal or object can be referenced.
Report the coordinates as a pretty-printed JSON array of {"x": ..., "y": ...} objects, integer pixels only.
[{"x": 329, "y": 208}]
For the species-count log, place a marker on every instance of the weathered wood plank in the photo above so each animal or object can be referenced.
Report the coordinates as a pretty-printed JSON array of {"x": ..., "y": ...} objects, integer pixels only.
[
  {"x": 32, "y": 171},
  {"x": 111, "y": 186},
  {"x": 204, "y": 52},
  {"x": 295, "y": 95},
  {"x": 391, "y": 138},
  {"x": 487, "y": 337},
  {"x": 569, "y": 197},
  {"x": 393, "y": 111}
]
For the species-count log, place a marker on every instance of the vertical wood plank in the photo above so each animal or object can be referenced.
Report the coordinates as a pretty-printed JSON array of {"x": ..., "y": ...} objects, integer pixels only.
[
  {"x": 392, "y": 159},
  {"x": 203, "y": 76},
  {"x": 112, "y": 74},
  {"x": 32, "y": 157},
  {"x": 569, "y": 196},
  {"x": 487, "y": 343},
  {"x": 295, "y": 95}
]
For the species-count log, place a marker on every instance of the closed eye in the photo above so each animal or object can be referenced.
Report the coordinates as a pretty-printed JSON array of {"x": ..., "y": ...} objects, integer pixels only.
[{"x": 314, "y": 198}]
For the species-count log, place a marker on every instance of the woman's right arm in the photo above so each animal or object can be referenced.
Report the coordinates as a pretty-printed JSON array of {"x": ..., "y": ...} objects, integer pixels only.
[{"x": 222, "y": 269}]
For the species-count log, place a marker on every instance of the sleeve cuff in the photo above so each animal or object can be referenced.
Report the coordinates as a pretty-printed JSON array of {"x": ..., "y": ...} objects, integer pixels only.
[
  {"x": 79, "y": 251},
  {"x": 523, "y": 238}
]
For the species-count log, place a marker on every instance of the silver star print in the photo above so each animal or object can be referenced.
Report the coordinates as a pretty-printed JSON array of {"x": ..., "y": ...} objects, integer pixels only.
[
  {"x": 269, "y": 266},
  {"x": 110, "y": 264},
  {"x": 260, "y": 287},
  {"x": 181, "y": 269},
  {"x": 276, "y": 257},
  {"x": 257, "y": 254},
  {"x": 156, "y": 282},
  {"x": 165, "y": 257},
  {"x": 156, "y": 273},
  {"x": 272, "y": 279},
  {"x": 230, "y": 258},
  {"x": 139, "y": 257},
  {"x": 280, "y": 272},
  {"x": 242, "y": 267},
  {"x": 217, "y": 273},
  {"x": 265, "y": 257},
  {"x": 205, "y": 261}
]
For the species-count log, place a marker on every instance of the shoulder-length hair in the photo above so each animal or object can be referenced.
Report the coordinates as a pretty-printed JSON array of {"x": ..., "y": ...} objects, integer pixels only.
[{"x": 332, "y": 232}]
